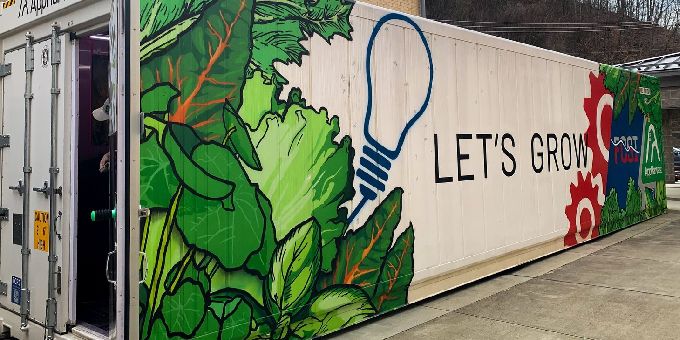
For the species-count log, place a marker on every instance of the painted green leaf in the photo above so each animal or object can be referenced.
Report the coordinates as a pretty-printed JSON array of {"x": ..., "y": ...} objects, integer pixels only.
[
  {"x": 661, "y": 194},
  {"x": 299, "y": 149},
  {"x": 241, "y": 280},
  {"x": 225, "y": 301},
  {"x": 260, "y": 261},
  {"x": 235, "y": 320},
  {"x": 162, "y": 40},
  {"x": 163, "y": 21},
  {"x": 210, "y": 327},
  {"x": 611, "y": 214},
  {"x": 294, "y": 268},
  {"x": 184, "y": 310},
  {"x": 396, "y": 274},
  {"x": 281, "y": 25},
  {"x": 159, "y": 331},
  {"x": 239, "y": 139},
  {"x": 612, "y": 76},
  {"x": 232, "y": 313},
  {"x": 202, "y": 168},
  {"x": 332, "y": 309},
  {"x": 324, "y": 17},
  {"x": 232, "y": 233},
  {"x": 255, "y": 104},
  {"x": 207, "y": 65},
  {"x": 260, "y": 332},
  {"x": 329, "y": 18},
  {"x": 158, "y": 182},
  {"x": 277, "y": 42},
  {"x": 158, "y": 98},
  {"x": 187, "y": 269},
  {"x": 143, "y": 300},
  {"x": 258, "y": 321},
  {"x": 651, "y": 204},
  {"x": 364, "y": 249},
  {"x": 624, "y": 86},
  {"x": 633, "y": 202}
]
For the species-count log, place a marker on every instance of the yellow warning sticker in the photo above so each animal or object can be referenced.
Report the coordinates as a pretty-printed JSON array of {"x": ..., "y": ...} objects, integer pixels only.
[{"x": 41, "y": 234}]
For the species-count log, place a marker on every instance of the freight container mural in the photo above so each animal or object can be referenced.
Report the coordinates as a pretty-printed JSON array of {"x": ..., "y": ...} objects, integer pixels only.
[{"x": 281, "y": 205}]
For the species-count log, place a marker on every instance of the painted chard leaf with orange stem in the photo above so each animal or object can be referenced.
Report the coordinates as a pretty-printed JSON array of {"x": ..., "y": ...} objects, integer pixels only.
[
  {"x": 367, "y": 258},
  {"x": 196, "y": 67}
]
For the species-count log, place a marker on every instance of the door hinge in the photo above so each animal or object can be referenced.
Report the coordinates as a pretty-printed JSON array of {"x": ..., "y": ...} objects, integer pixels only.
[
  {"x": 3, "y": 288},
  {"x": 5, "y": 70},
  {"x": 4, "y": 141},
  {"x": 4, "y": 214}
]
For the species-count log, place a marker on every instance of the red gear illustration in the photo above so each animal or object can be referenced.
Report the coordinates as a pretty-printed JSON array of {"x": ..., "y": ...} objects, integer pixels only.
[
  {"x": 594, "y": 132},
  {"x": 584, "y": 212}
]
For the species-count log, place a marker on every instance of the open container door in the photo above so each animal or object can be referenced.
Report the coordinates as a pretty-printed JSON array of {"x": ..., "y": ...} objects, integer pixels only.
[{"x": 126, "y": 120}]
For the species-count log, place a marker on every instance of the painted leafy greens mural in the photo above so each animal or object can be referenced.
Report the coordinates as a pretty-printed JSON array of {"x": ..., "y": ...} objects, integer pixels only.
[{"x": 248, "y": 237}]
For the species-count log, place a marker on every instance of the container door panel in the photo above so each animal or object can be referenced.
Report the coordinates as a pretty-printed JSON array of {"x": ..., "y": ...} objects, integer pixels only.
[
  {"x": 40, "y": 162},
  {"x": 11, "y": 169}
]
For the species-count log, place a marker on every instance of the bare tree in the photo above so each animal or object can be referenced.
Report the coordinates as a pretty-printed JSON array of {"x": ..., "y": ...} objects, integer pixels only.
[{"x": 608, "y": 31}]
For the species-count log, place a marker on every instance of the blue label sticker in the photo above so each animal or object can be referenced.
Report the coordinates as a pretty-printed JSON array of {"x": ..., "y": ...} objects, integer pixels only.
[{"x": 16, "y": 290}]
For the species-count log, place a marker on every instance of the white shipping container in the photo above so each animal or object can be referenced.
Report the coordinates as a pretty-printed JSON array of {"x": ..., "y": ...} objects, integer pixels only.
[{"x": 299, "y": 167}]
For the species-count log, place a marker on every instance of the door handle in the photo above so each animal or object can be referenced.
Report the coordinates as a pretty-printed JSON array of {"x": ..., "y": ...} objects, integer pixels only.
[
  {"x": 145, "y": 266},
  {"x": 108, "y": 260}
]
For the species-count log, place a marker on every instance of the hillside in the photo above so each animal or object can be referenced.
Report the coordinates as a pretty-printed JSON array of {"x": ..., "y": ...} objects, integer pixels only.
[{"x": 586, "y": 29}]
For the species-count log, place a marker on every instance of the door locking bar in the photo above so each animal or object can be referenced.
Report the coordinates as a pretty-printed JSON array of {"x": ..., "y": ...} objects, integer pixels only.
[
  {"x": 52, "y": 287},
  {"x": 29, "y": 66},
  {"x": 19, "y": 188},
  {"x": 47, "y": 190},
  {"x": 43, "y": 189}
]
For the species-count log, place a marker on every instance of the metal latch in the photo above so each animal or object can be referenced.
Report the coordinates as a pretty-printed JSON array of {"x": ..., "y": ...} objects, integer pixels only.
[
  {"x": 4, "y": 214},
  {"x": 5, "y": 70},
  {"x": 19, "y": 188},
  {"x": 4, "y": 141},
  {"x": 44, "y": 189},
  {"x": 144, "y": 212}
]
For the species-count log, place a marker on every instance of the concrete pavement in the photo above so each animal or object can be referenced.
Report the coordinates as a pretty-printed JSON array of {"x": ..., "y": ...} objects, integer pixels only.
[{"x": 622, "y": 286}]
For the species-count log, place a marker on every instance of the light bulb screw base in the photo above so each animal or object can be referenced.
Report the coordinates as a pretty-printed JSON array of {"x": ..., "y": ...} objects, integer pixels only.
[{"x": 373, "y": 173}]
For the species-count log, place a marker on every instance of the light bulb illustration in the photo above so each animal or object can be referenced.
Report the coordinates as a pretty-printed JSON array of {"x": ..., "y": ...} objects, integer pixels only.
[{"x": 376, "y": 159}]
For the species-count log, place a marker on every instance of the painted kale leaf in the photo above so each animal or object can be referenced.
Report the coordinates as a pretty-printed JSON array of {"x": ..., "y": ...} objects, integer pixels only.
[{"x": 281, "y": 25}]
